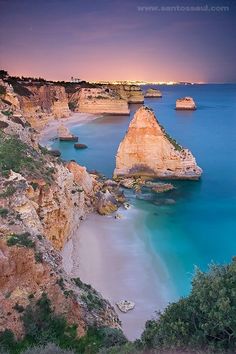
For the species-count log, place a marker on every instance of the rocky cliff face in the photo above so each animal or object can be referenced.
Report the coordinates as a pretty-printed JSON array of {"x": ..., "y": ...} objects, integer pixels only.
[
  {"x": 130, "y": 93},
  {"x": 41, "y": 103},
  {"x": 148, "y": 150},
  {"x": 99, "y": 101},
  {"x": 41, "y": 205}
]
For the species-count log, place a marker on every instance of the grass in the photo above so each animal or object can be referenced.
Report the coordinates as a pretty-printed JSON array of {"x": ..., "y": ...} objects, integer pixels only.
[{"x": 21, "y": 240}]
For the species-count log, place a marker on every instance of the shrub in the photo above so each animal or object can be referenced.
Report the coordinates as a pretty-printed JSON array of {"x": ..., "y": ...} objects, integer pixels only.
[
  {"x": 38, "y": 257},
  {"x": 7, "y": 113},
  {"x": 20, "y": 240},
  {"x": 3, "y": 212},
  {"x": 10, "y": 190},
  {"x": 206, "y": 319},
  {"x": 2, "y": 90}
]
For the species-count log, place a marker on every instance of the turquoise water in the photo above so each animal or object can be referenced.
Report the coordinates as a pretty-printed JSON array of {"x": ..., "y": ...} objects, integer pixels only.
[{"x": 196, "y": 223}]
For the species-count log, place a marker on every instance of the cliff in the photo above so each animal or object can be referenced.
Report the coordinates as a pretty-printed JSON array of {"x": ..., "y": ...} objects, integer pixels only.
[
  {"x": 41, "y": 204},
  {"x": 151, "y": 93},
  {"x": 99, "y": 101},
  {"x": 185, "y": 103},
  {"x": 43, "y": 102},
  {"x": 130, "y": 93},
  {"x": 149, "y": 151}
]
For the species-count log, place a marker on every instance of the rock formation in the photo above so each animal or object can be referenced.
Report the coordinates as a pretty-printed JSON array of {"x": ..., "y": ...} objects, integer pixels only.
[
  {"x": 64, "y": 134},
  {"x": 185, "y": 103},
  {"x": 42, "y": 103},
  {"x": 130, "y": 93},
  {"x": 41, "y": 205},
  {"x": 99, "y": 101},
  {"x": 153, "y": 93},
  {"x": 147, "y": 150}
]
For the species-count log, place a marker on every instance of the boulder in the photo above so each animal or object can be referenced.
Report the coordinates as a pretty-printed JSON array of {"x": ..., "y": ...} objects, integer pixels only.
[
  {"x": 148, "y": 151},
  {"x": 185, "y": 103},
  {"x": 107, "y": 203},
  {"x": 125, "y": 305}
]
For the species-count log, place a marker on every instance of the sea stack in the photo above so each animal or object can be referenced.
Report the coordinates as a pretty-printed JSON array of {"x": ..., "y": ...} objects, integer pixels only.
[
  {"x": 153, "y": 93},
  {"x": 147, "y": 150},
  {"x": 185, "y": 103},
  {"x": 64, "y": 134}
]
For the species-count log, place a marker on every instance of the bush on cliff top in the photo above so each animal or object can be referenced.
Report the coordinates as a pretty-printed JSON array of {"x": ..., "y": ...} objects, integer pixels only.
[{"x": 204, "y": 320}]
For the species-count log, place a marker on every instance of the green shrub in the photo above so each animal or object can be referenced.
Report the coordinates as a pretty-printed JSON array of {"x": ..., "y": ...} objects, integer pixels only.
[
  {"x": 10, "y": 190},
  {"x": 20, "y": 240},
  {"x": 204, "y": 320},
  {"x": 3, "y": 212},
  {"x": 2, "y": 90},
  {"x": 93, "y": 301},
  {"x": 38, "y": 257},
  {"x": 7, "y": 113}
]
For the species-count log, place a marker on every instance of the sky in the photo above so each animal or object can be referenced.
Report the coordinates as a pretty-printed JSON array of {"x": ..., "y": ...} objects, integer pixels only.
[{"x": 119, "y": 40}]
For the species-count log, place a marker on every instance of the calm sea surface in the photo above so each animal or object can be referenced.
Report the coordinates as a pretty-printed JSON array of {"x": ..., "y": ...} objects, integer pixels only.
[{"x": 196, "y": 223}]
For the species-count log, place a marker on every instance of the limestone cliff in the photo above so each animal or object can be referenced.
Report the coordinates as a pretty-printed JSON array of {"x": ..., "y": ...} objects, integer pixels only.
[
  {"x": 148, "y": 150},
  {"x": 99, "y": 101},
  {"x": 41, "y": 204},
  {"x": 44, "y": 102},
  {"x": 130, "y": 93}
]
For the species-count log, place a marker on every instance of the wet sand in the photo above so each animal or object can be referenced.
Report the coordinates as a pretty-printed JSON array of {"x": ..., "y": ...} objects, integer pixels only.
[{"x": 113, "y": 256}]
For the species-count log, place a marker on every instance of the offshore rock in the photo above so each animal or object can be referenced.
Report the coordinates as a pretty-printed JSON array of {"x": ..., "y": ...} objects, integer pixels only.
[
  {"x": 147, "y": 150},
  {"x": 185, "y": 103}
]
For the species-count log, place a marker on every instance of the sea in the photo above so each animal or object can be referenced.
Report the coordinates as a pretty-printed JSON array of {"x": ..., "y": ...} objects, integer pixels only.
[{"x": 193, "y": 225}]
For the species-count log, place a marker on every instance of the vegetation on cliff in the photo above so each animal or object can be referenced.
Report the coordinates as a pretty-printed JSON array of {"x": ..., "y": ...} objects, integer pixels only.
[
  {"x": 20, "y": 157},
  {"x": 43, "y": 326}
]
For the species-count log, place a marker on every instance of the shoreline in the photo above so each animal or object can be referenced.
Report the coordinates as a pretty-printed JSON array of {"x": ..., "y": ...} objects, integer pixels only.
[
  {"x": 115, "y": 257},
  {"x": 49, "y": 132}
]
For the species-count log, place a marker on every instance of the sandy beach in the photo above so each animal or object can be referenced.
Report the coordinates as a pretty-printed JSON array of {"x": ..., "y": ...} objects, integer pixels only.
[
  {"x": 115, "y": 258},
  {"x": 49, "y": 132}
]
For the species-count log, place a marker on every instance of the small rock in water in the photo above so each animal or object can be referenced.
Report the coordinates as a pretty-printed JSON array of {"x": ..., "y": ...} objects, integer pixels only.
[
  {"x": 80, "y": 146},
  {"x": 118, "y": 216},
  {"x": 126, "y": 206},
  {"x": 125, "y": 305}
]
